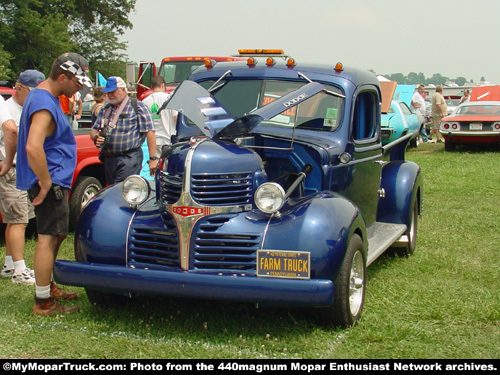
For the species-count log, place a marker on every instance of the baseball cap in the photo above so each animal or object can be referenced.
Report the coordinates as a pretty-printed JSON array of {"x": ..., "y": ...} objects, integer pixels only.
[
  {"x": 31, "y": 78},
  {"x": 76, "y": 65},
  {"x": 114, "y": 83}
]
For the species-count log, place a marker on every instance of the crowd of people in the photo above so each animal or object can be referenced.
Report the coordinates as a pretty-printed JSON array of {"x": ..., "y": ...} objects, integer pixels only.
[
  {"x": 38, "y": 159},
  {"x": 439, "y": 110}
]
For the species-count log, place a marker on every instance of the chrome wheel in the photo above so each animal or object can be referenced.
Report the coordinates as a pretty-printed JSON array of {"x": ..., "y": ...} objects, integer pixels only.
[{"x": 357, "y": 284}]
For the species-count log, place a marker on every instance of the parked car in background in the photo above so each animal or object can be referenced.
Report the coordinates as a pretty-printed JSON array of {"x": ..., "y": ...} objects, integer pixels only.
[
  {"x": 88, "y": 178},
  {"x": 452, "y": 104},
  {"x": 472, "y": 122},
  {"x": 6, "y": 90},
  {"x": 86, "y": 118},
  {"x": 173, "y": 69},
  {"x": 398, "y": 122}
]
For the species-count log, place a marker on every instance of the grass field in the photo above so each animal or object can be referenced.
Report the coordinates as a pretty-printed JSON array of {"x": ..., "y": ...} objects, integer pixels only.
[{"x": 442, "y": 302}]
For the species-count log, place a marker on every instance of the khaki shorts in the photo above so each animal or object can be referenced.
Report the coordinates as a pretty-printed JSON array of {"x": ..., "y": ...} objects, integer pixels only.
[
  {"x": 15, "y": 206},
  {"x": 436, "y": 122}
]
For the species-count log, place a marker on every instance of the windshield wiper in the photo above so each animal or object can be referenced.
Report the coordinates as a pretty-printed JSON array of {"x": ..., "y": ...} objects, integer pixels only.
[
  {"x": 325, "y": 90},
  {"x": 215, "y": 87}
]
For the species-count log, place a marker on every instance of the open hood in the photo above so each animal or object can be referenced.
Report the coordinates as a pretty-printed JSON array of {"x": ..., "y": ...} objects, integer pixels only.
[{"x": 215, "y": 121}]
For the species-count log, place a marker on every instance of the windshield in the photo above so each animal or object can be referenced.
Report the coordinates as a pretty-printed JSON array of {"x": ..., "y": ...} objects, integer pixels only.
[
  {"x": 320, "y": 112},
  {"x": 487, "y": 110},
  {"x": 174, "y": 72}
]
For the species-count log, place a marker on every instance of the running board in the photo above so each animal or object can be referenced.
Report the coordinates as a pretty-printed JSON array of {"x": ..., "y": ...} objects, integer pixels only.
[{"x": 381, "y": 236}]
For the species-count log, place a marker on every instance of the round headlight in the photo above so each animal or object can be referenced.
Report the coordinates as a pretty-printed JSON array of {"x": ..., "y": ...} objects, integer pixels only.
[
  {"x": 269, "y": 197},
  {"x": 135, "y": 190}
]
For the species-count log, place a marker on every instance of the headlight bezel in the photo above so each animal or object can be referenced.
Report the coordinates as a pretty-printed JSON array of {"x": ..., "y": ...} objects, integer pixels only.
[
  {"x": 280, "y": 195},
  {"x": 138, "y": 184}
]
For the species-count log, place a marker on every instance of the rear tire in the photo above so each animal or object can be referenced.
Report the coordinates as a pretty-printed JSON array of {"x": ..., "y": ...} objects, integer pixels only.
[
  {"x": 449, "y": 146},
  {"x": 349, "y": 288},
  {"x": 409, "y": 249}
]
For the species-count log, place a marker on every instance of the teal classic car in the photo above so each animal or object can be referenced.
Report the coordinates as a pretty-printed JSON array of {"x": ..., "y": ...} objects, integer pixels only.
[{"x": 398, "y": 122}]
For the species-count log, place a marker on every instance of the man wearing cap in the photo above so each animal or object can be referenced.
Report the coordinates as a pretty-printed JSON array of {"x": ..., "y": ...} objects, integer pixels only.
[
  {"x": 14, "y": 204},
  {"x": 46, "y": 160},
  {"x": 120, "y": 130}
]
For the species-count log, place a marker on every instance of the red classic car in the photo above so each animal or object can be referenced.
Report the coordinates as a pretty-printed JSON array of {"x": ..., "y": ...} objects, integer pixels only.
[
  {"x": 88, "y": 178},
  {"x": 472, "y": 122},
  {"x": 6, "y": 92}
]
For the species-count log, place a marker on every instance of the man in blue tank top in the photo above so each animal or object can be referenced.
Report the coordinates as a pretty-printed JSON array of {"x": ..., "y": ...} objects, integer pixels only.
[{"x": 46, "y": 160}]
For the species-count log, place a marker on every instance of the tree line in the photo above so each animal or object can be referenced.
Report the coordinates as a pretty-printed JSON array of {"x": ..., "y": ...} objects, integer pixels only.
[
  {"x": 419, "y": 78},
  {"x": 33, "y": 33}
]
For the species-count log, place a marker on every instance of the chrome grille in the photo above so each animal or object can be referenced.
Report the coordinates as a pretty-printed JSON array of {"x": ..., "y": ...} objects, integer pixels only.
[
  {"x": 170, "y": 187},
  {"x": 222, "y": 189},
  {"x": 215, "y": 249},
  {"x": 153, "y": 242}
]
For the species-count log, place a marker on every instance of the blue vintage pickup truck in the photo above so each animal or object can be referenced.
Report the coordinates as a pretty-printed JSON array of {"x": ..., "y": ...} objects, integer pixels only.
[{"x": 277, "y": 191}]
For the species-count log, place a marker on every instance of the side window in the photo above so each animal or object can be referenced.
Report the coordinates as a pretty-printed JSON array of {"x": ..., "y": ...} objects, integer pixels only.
[{"x": 365, "y": 116}]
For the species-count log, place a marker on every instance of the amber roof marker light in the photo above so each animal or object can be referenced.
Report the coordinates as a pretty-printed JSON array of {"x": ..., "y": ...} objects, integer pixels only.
[{"x": 209, "y": 63}]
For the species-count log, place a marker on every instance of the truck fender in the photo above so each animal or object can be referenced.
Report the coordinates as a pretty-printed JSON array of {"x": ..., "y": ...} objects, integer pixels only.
[
  {"x": 101, "y": 233},
  {"x": 402, "y": 184},
  {"x": 321, "y": 224}
]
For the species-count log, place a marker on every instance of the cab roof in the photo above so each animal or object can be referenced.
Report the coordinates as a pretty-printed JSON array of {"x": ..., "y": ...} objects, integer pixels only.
[{"x": 316, "y": 72}]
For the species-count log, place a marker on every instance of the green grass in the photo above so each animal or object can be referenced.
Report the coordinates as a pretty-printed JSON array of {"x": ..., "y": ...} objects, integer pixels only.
[{"x": 442, "y": 302}]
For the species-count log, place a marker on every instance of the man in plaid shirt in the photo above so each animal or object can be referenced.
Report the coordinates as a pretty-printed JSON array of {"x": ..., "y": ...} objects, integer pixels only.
[{"x": 120, "y": 130}]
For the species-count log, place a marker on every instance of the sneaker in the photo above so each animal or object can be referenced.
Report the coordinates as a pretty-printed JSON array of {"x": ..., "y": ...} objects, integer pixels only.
[
  {"x": 26, "y": 277},
  {"x": 51, "y": 307},
  {"x": 59, "y": 293},
  {"x": 6, "y": 272}
]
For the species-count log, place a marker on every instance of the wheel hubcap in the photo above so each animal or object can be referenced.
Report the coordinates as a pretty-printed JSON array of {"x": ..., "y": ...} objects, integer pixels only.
[
  {"x": 88, "y": 195},
  {"x": 356, "y": 285}
]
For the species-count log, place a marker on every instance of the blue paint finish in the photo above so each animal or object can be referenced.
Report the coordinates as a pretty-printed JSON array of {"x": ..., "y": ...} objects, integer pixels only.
[
  {"x": 265, "y": 291},
  {"x": 159, "y": 249},
  {"x": 401, "y": 182}
]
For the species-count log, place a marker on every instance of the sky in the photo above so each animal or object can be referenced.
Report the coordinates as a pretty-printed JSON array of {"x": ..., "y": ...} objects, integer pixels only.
[{"x": 454, "y": 38}]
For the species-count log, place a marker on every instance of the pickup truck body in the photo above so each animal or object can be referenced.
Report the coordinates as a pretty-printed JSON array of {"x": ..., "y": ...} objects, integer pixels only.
[{"x": 278, "y": 192}]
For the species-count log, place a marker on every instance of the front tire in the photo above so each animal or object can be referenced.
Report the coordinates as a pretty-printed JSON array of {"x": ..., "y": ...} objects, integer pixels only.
[
  {"x": 102, "y": 299},
  {"x": 84, "y": 190},
  {"x": 349, "y": 288}
]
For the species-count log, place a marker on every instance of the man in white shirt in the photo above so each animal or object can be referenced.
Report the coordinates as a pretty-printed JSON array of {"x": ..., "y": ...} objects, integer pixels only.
[
  {"x": 164, "y": 122},
  {"x": 15, "y": 207},
  {"x": 418, "y": 107}
]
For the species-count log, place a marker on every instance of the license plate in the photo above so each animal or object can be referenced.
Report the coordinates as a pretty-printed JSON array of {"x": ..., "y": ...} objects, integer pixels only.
[
  {"x": 476, "y": 126},
  {"x": 285, "y": 264}
]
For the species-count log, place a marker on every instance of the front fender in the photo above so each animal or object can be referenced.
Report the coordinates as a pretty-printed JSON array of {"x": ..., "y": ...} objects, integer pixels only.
[
  {"x": 321, "y": 224},
  {"x": 101, "y": 233},
  {"x": 402, "y": 183}
]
